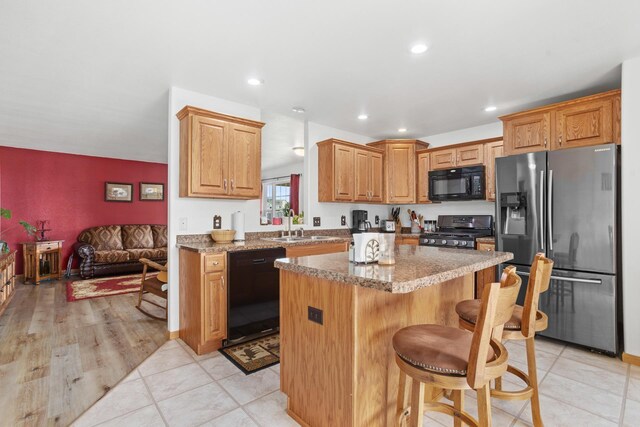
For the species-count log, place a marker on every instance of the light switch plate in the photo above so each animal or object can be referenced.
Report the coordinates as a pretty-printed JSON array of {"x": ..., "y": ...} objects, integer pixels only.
[
  {"x": 377, "y": 219},
  {"x": 217, "y": 222},
  {"x": 316, "y": 221},
  {"x": 343, "y": 220}
]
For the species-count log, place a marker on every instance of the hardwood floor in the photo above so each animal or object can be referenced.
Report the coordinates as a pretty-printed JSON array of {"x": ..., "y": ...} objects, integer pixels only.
[{"x": 58, "y": 358}]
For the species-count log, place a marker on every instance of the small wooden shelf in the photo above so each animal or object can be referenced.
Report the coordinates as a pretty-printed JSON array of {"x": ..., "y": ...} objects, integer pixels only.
[
  {"x": 37, "y": 254},
  {"x": 7, "y": 278}
]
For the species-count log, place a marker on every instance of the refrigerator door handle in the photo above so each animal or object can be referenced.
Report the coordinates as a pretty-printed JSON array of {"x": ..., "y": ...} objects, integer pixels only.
[
  {"x": 550, "y": 209},
  {"x": 541, "y": 233},
  {"x": 568, "y": 279}
]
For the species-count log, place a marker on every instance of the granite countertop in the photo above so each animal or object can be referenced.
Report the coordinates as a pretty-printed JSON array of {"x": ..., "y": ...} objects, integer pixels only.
[
  {"x": 489, "y": 240},
  {"x": 415, "y": 267},
  {"x": 211, "y": 247}
]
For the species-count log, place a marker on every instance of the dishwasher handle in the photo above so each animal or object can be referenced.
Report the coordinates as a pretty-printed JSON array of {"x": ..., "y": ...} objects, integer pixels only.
[{"x": 258, "y": 261}]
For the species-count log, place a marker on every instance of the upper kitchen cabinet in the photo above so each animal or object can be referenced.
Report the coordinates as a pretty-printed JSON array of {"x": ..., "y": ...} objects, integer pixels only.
[
  {"x": 458, "y": 156},
  {"x": 492, "y": 150},
  {"x": 422, "y": 187},
  {"x": 219, "y": 155},
  {"x": 527, "y": 133},
  {"x": 349, "y": 172},
  {"x": 590, "y": 120},
  {"x": 399, "y": 168},
  {"x": 584, "y": 123},
  {"x": 368, "y": 176}
]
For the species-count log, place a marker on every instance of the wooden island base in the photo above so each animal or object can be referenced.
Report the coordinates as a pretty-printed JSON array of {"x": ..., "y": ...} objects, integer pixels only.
[{"x": 343, "y": 372}]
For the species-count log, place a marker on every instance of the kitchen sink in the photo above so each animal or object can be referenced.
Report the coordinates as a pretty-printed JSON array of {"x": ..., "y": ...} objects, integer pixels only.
[
  {"x": 299, "y": 239},
  {"x": 286, "y": 239}
]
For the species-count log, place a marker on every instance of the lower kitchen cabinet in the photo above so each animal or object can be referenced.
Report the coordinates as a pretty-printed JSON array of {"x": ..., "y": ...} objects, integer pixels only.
[
  {"x": 488, "y": 275},
  {"x": 203, "y": 300}
]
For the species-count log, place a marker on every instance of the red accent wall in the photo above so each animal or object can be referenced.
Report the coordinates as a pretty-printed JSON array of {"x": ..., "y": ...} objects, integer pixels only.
[{"x": 68, "y": 190}]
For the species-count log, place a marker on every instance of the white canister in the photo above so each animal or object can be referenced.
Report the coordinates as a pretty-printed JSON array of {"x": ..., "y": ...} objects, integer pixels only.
[{"x": 237, "y": 224}]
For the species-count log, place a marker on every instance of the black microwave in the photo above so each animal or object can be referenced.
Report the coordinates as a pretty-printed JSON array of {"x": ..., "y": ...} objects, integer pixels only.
[{"x": 457, "y": 184}]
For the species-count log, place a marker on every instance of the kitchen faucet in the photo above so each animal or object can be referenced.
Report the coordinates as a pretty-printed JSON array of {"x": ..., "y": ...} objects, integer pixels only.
[{"x": 290, "y": 215}]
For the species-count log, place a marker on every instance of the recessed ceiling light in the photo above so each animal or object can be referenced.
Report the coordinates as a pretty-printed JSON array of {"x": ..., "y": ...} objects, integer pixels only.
[
  {"x": 254, "y": 82},
  {"x": 419, "y": 48},
  {"x": 490, "y": 108},
  {"x": 299, "y": 151},
  {"x": 363, "y": 117},
  {"x": 298, "y": 110},
  {"x": 402, "y": 129}
]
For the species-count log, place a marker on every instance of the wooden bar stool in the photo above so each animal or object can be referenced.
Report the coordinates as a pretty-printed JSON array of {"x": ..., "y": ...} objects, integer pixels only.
[
  {"x": 455, "y": 359},
  {"x": 523, "y": 325}
]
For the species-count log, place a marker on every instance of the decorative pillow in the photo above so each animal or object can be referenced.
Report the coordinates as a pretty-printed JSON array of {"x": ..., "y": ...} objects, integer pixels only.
[
  {"x": 137, "y": 237},
  {"x": 111, "y": 256},
  {"x": 159, "y": 236},
  {"x": 103, "y": 238}
]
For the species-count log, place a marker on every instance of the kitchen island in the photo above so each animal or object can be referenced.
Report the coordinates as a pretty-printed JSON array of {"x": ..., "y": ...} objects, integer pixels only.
[{"x": 337, "y": 320}]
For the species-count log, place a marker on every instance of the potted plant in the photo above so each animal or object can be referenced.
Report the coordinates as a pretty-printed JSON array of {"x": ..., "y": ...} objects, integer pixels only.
[{"x": 28, "y": 228}]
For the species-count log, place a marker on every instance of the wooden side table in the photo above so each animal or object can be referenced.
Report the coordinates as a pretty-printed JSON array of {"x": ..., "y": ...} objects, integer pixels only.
[{"x": 42, "y": 260}]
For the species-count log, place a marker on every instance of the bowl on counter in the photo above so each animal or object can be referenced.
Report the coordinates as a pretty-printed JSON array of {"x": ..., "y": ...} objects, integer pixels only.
[{"x": 223, "y": 236}]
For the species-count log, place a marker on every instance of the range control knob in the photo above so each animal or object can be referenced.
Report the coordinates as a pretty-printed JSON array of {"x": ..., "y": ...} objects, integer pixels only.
[
  {"x": 432, "y": 241},
  {"x": 455, "y": 243},
  {"x": 463, "y": 243},
  {"x": 444, "y": 242}
]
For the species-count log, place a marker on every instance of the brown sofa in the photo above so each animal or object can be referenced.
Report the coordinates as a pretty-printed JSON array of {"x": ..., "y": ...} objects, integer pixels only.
[{"x": 115, "y": 249}]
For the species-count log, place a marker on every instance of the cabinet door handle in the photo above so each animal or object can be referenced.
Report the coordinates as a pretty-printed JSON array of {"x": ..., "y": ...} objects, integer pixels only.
[
  {"x": 560, "y": 140},
  {"x": 233, "y": 185},
  {"x": 224, "y": 183},
  {"x": 215, "y": 263},
  {"x": 222, "y": 282},
  {"x": 545, "y": 142}
]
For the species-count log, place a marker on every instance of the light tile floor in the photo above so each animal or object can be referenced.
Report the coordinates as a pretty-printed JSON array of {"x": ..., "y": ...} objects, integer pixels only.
[{"x": 175, "y": 387}]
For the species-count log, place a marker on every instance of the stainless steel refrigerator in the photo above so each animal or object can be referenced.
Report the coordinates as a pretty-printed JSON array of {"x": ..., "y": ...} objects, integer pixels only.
[{"x": 565, "y": 204}]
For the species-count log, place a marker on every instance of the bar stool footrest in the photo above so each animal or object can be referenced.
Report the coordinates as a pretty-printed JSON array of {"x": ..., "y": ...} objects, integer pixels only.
[{"x": 524, "y": 394}]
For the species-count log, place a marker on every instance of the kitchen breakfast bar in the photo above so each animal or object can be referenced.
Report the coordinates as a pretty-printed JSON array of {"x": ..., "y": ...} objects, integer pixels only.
[{"x": 337, "y": 320}]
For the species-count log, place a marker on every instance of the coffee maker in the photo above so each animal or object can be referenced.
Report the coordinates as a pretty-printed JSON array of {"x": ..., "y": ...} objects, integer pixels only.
[{"x": 359, "y": 223}]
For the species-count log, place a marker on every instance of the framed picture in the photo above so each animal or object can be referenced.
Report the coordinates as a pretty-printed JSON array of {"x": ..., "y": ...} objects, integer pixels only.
[
  {"x": 151, "y": 191},
  {"x": 118, "y": 192}
]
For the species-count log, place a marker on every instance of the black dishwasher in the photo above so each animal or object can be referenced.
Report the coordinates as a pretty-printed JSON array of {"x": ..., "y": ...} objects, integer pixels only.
[{"x": 254, "y": 294}]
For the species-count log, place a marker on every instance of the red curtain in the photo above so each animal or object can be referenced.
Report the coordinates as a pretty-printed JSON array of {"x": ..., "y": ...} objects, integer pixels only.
[{"x": 294, "y": 201}]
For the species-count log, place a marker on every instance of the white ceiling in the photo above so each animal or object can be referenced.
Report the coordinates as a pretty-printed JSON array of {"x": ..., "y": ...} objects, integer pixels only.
[{"x": 93, "y": 77}]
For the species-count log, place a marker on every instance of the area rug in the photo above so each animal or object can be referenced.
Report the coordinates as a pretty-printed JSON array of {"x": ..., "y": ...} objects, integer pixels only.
[
  {"x": 254, "y": 355},
  {"x": 104, "y": 286}
]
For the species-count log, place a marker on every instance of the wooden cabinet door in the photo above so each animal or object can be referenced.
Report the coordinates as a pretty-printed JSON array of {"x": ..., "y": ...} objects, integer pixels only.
[
  {"x": 214, "y": 307},
  {"x": 527, "y": 134},
  {"x": 207, "y": 157},
  {"x": 470, "y": 155},
  {"x": 376, "y": 175},
  {"x": 401, "y": 171},
  {"x": 588, "y": 123},
  {"x": 488, "y": 275},
  {"x": 493, "y": 150},
  {"x": 244, "y": 161},
  {"x": 443, "y": 159},
  {"x": 343, "y": 168},
  {"x": 422, "y": 195},
  {"x": 362, "y": 176}
]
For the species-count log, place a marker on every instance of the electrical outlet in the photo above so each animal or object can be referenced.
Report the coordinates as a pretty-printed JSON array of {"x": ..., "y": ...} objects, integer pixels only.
[
  {"x": 217, "y": 222},
  {"x": 315, "y": 315},
  {"x": 377, "y": 219},
  {"x": 316, "y": 221},
  {"x": 182, "y": 224},
  {"x": 343, "y": 220}
]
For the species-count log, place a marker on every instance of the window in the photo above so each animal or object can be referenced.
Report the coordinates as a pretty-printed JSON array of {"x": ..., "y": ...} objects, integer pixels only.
[{"x": 276, "y": 196}]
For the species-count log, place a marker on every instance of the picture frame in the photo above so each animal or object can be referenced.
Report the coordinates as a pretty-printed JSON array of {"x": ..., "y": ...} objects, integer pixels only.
[
  {"x": 118, "y": 192},
  {"x": 151, "y": 191}
]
